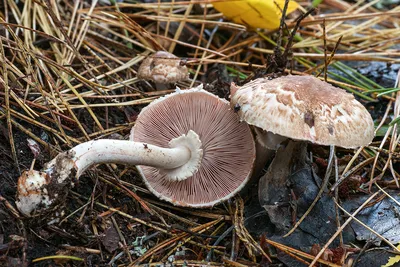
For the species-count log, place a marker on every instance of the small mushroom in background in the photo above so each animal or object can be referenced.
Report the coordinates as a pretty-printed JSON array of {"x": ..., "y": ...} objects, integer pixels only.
[
  {"x": 163, "y": 68},
  {"x": 191, "y": 148},
  {"x": 301, "y": 108}
]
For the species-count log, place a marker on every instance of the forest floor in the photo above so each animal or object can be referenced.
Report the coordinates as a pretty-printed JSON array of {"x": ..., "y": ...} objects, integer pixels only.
[{"x": 68, "y": 75}]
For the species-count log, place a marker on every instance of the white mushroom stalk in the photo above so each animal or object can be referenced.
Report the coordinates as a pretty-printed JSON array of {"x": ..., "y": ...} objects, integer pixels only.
[{"x": 178, "y": 162}]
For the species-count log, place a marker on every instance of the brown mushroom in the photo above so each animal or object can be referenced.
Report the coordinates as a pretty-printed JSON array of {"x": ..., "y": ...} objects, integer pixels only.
[
  {"x": 303, "y": 108},
  {"x": 199, "y": 153},
  {"x": 163, "y": 68}
]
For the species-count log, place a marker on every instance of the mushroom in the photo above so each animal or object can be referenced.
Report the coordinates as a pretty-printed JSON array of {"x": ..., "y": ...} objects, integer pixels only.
[
  {"x": 190, "y": 147},
  {"x": 163, "y": 68},
  {"x": 302, "y": 108}
]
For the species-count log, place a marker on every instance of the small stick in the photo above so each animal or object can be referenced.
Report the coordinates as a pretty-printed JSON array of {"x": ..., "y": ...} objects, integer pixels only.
[
  {"x": 6, "y": 203},
  {"x": 295, "y": 28},
  {"x": 337, "y": 199},
  {"x": 327, "y": 62},
  {"x": 325, "y": 52},
  {"x": 281, "y": 25}
]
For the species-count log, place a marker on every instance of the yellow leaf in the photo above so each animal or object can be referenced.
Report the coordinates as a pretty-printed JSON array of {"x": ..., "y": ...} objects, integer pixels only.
[
  {"x": 254, "y": 13},
  {"x": 392, "y": 260}
]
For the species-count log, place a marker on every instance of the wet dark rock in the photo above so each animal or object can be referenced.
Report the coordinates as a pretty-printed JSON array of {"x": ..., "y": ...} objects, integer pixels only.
[
  {"x": 380, "y": 72},
  {"x": 257, "y": 220},
  {"x": 383, "y": 217},
  {"x": 110, "y": 239},
  {"x": 289, "y": 261},
  {"x": 375, "y": 257}
]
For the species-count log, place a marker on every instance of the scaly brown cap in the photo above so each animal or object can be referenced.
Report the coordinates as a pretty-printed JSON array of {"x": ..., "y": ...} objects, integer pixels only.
[
  {"x": 228, "y": 147},
  {"x": 163, "y": 67},
  {"x": 304, "y": 108}
]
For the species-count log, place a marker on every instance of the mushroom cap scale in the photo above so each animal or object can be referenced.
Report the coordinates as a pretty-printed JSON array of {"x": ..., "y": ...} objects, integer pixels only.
[
  {"x": 304, "y": 108},
  {"x": 228, "y": 147},
  {"x": 163, "y": 67}
]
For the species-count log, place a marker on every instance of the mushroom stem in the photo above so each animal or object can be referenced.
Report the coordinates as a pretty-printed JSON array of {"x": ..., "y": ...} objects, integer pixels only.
[
  {"x": 184, "y": 152},
  {"x": 178, "y": 163},
  {"x": 129, "y": 153}
]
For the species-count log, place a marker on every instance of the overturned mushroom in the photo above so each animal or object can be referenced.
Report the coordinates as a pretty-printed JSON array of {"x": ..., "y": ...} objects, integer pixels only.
[
  {"x": 302, "y": 108},
  {"x": 199, "y": 154},
  {"x": 163, "y": 68}
]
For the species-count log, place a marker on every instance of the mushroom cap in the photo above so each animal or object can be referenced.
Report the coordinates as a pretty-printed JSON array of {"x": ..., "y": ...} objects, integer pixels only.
[
  {"x": 163, "y": 67},
  {"x": 304, "y": 108},
  {"x": 228, "y": 147}
]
